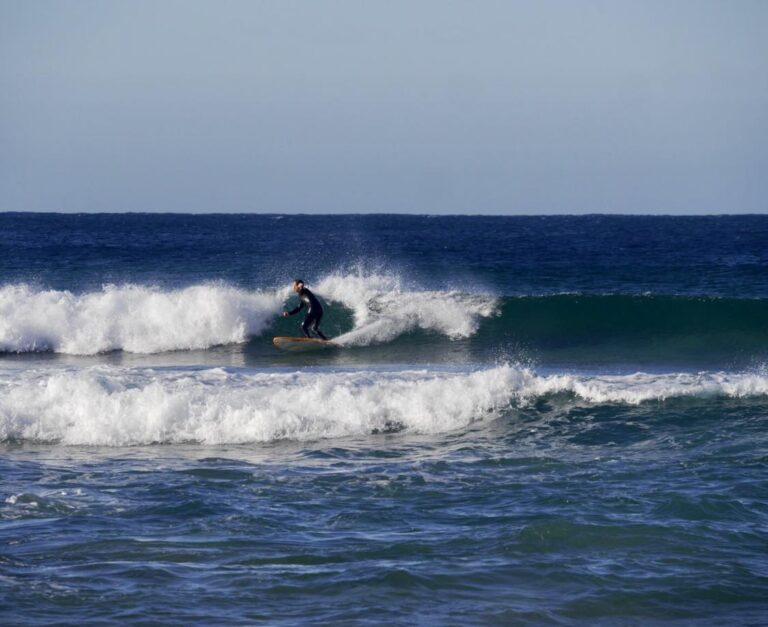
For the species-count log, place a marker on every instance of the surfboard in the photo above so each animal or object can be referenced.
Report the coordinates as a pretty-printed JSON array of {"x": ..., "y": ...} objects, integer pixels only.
[{"x": 301, "y": 344}]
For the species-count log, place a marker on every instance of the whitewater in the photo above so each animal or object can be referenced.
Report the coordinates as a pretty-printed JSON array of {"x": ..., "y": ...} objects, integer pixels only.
[
  {"x": 110, "y": 406},
  {"x": 150, "y": 319}
]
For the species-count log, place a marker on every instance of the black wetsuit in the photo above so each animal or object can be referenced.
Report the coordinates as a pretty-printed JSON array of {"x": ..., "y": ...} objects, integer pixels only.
[{"x": 314, "y": 312}]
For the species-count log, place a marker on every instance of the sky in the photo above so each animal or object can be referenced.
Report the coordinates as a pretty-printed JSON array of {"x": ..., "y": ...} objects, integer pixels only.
[{"x": 417, "y": 106}]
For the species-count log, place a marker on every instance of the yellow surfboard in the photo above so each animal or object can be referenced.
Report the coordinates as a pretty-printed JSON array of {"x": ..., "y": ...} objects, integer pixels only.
[{"x": 302, "y": 344}]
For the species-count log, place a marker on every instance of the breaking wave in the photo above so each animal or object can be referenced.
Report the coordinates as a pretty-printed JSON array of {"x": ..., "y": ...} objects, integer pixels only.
[
  {"x": 377, "y": 309},
  {"x": 132, "y": 318},
  {"x": 145, "y": 319},
  {"x": 112, "y": 406}
]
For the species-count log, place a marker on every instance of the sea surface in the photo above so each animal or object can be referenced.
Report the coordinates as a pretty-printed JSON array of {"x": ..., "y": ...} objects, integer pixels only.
[{"x": 528, "y": 421}]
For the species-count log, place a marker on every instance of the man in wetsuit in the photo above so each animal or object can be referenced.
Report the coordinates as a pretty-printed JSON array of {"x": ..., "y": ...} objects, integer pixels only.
[{"x": 314, "y": 309}]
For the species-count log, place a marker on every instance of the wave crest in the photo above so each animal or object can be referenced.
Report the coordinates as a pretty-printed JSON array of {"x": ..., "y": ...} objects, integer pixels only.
[
  {"x": 120, "y": 407},
  {"x": 112, "y": 406},
  {"x": 145, "y": 319},
  {"x": 132, "y": 318},
  {"x": 383, "y": 309}
]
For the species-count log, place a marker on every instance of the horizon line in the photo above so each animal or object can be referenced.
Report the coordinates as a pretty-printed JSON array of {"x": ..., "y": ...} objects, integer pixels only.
[{"x": 385, "y": 213}]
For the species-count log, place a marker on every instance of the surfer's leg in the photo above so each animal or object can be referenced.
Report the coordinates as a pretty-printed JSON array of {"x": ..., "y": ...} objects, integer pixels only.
[
  {"x": 305, "y": 325},
  {"x": 310, "y": 323},
  {"x": 317, "y": 331}
]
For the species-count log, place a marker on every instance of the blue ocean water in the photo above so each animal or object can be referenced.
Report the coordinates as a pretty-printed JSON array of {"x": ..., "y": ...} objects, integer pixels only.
[{"x": 530, "y": 420}]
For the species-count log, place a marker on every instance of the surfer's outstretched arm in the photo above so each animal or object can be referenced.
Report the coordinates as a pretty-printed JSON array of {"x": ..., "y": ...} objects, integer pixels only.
[{"x": 295, "y": 310}]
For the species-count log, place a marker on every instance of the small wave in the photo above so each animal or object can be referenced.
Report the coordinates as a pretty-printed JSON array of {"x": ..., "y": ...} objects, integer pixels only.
[
  {"x": 132, "y": 318},
  {"x": 111, "y": 406}
]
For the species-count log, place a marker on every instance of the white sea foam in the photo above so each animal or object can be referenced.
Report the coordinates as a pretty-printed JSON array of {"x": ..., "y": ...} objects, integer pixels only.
[
  {"x": 384, "y": 309},
  {"x": 121, "y": 406},
  {"x": 641, "y": 387},
  {"x": 115, "y": 406},
  {"x": 146, "y": 319},
  {"x": 133, "y": 318}
]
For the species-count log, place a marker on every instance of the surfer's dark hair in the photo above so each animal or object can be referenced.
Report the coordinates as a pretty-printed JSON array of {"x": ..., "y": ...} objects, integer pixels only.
[{"x": 298, "y": 281}]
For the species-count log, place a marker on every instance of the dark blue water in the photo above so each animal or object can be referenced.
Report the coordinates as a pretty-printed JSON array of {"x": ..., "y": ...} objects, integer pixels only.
[
  {"x": 713, "y": 255},
  {"x": 528, "y": 420}
]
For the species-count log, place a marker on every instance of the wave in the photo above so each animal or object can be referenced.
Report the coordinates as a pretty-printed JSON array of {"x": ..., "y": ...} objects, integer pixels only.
[
  {"x": 132, "y": 318},
  {"x": 110, "y": 406},
  {"x": 145, "y": 319},
  {"x": 379, "y": 309}
]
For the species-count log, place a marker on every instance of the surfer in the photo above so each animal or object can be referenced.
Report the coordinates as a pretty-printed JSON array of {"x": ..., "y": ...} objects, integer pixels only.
[{"x": 314, "y": 309}]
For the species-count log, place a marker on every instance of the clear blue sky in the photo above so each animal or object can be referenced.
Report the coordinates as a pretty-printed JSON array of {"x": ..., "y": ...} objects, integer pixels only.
[{"x": 434, "y": 106}]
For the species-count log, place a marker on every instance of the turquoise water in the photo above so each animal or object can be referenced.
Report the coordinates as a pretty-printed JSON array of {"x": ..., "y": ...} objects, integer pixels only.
[{"x": 557, "y": 421}]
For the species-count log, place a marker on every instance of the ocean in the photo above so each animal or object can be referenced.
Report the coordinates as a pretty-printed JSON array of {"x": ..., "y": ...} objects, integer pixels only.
[{"x": 557, "y": 420}]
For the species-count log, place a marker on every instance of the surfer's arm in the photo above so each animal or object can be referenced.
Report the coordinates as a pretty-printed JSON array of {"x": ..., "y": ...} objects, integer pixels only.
[{"x": 296, "y": 310}]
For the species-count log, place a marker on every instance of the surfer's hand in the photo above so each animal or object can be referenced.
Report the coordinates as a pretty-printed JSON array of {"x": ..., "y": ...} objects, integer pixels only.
[{"x": 285, "y": 314}]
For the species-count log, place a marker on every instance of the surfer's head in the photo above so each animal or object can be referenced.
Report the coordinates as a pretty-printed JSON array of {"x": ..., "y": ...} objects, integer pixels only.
[{"x": 297, "y": 285}]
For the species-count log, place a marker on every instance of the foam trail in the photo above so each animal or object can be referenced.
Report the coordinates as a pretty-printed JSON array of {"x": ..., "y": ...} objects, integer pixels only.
[
  {"x": 113, "y": 406},
  {"x": 383, "y": 309},
  {"x": 132, "y": 318}
]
